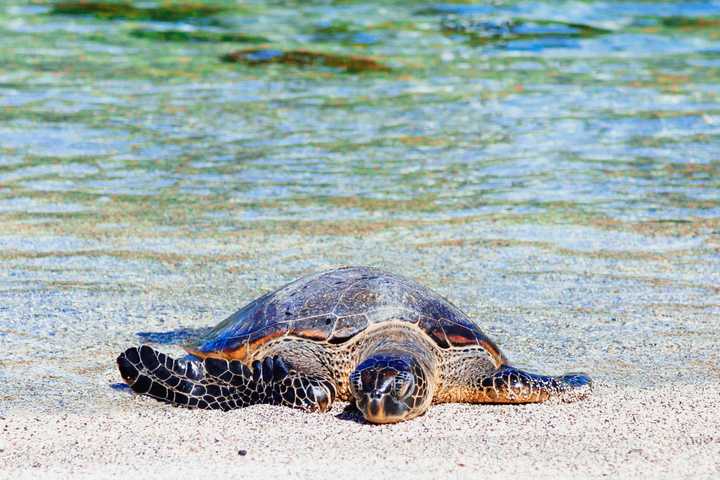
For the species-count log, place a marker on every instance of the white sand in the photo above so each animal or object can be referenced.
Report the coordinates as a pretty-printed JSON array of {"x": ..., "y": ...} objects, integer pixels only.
[{"x": 625, "y": 433}]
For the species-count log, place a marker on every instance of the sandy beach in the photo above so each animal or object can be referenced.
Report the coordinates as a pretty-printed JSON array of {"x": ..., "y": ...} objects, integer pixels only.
[
  {"x": 620, "y": 433},
  {"x": 635, "y": 320}
]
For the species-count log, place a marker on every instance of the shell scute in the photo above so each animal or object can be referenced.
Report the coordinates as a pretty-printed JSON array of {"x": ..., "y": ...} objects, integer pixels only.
[
  {"x": 347, "y": 327},
  {"x": 313, "y": 328}
]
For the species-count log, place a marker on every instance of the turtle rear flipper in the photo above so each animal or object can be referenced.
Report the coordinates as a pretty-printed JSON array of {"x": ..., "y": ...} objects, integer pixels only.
[
  {"x": 511, "y": 385},
  {"x": 219, "y": 384}
]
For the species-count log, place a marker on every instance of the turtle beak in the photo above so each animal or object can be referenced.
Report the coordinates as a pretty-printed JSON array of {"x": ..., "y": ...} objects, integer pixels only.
[
  {"x": 379, "y": 407},
  {"x": 375, "y": 407}
]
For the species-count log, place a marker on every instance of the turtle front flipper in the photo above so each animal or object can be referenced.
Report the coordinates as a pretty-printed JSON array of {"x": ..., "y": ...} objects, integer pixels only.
[
  {"x": 280, "y": 385},
  {"x": 511, "y": 385},
  {"x": 219, "y": 384}
]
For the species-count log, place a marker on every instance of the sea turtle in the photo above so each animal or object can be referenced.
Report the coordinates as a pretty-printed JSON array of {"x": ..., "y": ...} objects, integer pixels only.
[{"x": 359, "y": 334}]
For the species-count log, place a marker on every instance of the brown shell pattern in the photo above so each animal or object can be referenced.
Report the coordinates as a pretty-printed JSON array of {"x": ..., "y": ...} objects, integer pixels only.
[{"x": 336, "y": 305}]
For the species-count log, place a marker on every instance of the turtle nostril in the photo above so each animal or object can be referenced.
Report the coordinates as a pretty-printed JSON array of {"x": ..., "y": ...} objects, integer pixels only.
[{"x": 376, "y": 395}]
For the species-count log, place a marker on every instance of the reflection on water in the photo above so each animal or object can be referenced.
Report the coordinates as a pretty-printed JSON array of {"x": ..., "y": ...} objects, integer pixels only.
[{"x": 591, "y": 109}]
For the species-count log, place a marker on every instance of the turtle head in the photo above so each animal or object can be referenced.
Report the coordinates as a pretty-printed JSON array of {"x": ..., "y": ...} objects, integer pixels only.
[{"x": 390, "y": 389}]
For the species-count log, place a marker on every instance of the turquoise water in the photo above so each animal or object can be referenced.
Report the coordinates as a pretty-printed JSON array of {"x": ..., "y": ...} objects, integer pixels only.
[
  {"x": 551, "y": 167},
  {"x": 504, "y": 109}
]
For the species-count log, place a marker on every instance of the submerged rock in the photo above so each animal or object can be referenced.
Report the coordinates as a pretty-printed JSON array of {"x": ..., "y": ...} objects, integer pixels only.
[
  {"x": 490, "y": 31},
  {"x": 110, "y": 10},
  {"x": 306, "y": 58},
  {"x": 195, "y": 36}
]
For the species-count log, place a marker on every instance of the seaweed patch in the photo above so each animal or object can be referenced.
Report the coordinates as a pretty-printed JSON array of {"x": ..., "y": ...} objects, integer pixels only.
[
  {"x": 306, "y": 58},
  {"x": 196, "y": 36}
]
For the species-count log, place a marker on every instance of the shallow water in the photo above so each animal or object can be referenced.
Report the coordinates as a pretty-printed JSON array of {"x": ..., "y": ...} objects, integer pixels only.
[{"x": 551, "y": 167}]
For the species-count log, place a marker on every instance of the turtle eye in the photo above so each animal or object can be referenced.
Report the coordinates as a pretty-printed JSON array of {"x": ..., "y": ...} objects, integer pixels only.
[
  {"x": 355, "y": 382},
  {"x": 403, "y": 383}
]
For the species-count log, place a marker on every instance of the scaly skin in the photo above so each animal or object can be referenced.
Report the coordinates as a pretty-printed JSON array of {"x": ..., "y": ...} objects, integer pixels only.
[
  {"x": 310, "y": 375},
  {"x": 221, "y": 384}
]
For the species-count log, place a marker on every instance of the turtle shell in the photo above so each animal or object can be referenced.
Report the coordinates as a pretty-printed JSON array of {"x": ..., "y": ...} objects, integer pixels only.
[{"x": 335, "y": 306}]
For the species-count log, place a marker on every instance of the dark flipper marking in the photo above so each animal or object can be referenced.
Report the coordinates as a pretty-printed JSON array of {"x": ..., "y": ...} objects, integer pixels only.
[
  {"x": 510, "y": 385},
  {"x": 221, "y": 384}
]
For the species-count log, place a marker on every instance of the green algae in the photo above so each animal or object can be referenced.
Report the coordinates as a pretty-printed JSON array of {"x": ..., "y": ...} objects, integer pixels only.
[
  {"x": 196, "y": 36},
  {"x": 165, "y": 12}
]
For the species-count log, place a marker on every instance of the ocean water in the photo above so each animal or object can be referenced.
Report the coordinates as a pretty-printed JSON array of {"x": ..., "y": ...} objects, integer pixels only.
[{"x": 553, "y": 168}]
